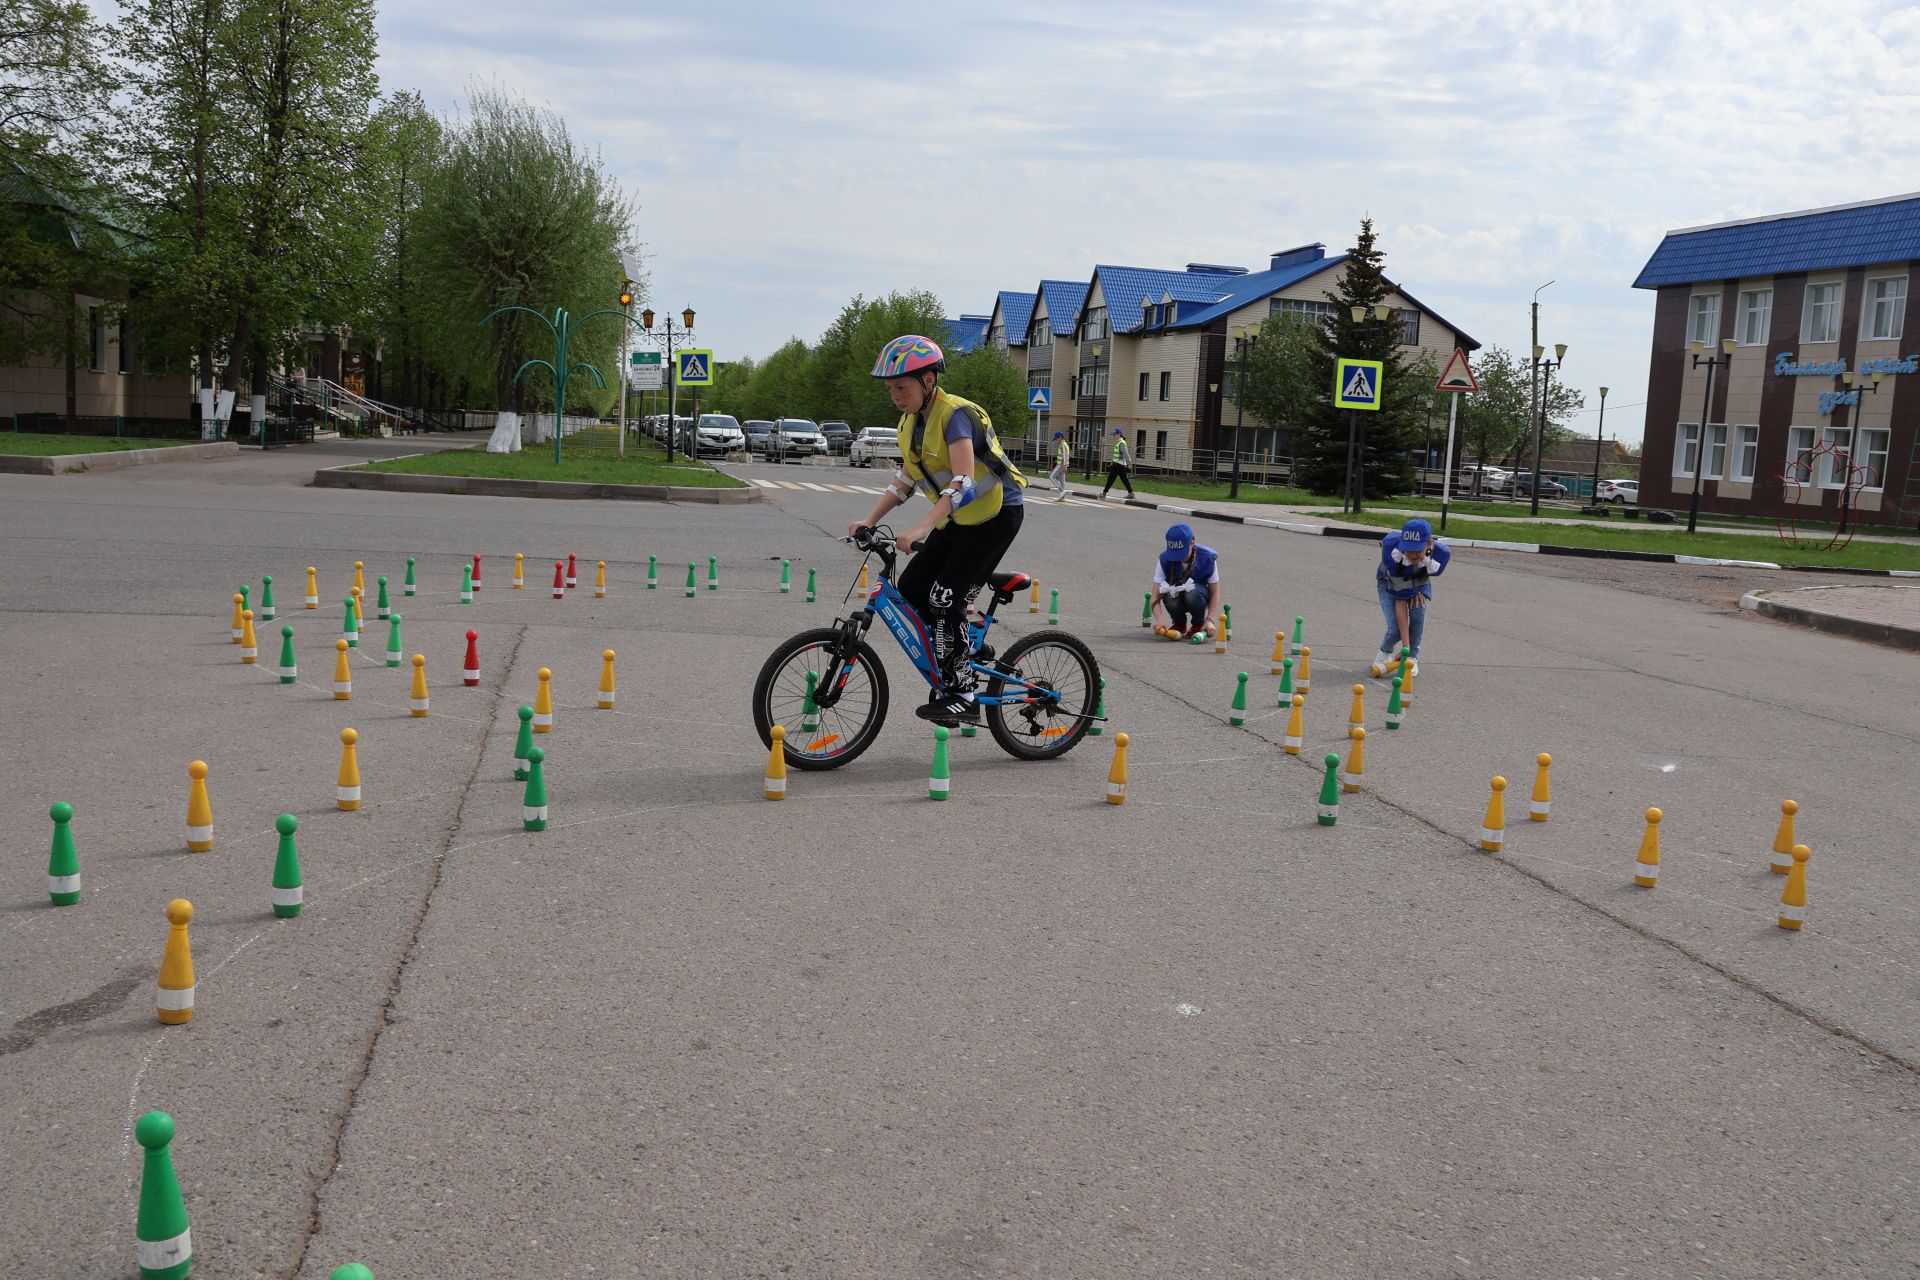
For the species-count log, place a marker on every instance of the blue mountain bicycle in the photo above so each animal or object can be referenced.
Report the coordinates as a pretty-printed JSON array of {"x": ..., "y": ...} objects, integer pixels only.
[{"x": 1038, "y": 698}]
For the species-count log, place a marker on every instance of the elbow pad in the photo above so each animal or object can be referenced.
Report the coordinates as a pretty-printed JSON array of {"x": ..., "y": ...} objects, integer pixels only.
[
  {"x": 960, "y": 491},
  {"x": 900, "y": 486}
]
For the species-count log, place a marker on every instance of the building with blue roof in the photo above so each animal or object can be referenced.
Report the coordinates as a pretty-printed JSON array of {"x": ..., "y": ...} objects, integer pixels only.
[
  {"x": 1815, "y": 385},
  {"x": 965, "y": 334},
  {"x": 1007, "y": 326},
  {"x": 1052, "y": 352}
]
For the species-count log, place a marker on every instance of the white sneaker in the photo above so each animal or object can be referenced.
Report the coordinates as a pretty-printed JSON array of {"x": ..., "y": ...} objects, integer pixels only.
[
  {"x": 1380, "y": 661},
  {"x": 1412, "y": 668}
]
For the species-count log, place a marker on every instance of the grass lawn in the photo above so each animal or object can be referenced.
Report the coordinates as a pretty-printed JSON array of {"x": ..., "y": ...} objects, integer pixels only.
[
  {"x": 1204, "y": 491},
  {"x": 585, "y": 456},
  {"x": 33, "y": 444},
  {"x": 1728, "y": 546}
]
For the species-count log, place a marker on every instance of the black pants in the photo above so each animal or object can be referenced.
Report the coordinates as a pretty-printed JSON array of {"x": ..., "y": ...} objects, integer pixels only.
[
  {"x": 1117, "y": 471},
  {"x": 944, "y": 576}
]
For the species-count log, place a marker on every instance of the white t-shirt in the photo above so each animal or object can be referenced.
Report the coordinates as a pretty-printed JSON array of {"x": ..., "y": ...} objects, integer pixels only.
[{"x": 1192, "y": 585}]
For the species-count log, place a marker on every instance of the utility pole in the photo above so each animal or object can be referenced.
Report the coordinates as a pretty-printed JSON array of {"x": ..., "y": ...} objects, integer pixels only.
[{"x": 1533, "y": 386}]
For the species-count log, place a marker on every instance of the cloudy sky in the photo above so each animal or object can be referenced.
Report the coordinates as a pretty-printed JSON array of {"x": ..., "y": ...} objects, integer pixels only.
[{"x": 788, "y": 156}]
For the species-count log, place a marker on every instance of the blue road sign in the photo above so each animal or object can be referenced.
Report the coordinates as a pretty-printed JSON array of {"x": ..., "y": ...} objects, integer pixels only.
[
  {"x": 696, "y": 368},
  {"x": 1039, "y": 399},
  {"x": 1356, "y": 384}
]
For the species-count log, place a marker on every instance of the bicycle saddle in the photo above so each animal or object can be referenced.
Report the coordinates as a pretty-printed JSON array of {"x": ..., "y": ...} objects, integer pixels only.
[{"x": 1007, "y": 581}]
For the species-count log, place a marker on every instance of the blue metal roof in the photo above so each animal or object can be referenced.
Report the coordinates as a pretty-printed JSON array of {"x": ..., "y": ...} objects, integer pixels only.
[
  {"x": 1124, "y": 288},
  {"x": 1854, "y": 235},
  {"x": 1253, "y": 288},
  {"x": 1063, "y": 303},
  {"x": 1016, "y": 309},
  {"x": 967, "y": 333}
]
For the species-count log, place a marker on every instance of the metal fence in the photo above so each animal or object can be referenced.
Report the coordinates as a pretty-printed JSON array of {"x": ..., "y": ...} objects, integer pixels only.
[{"x": 119, "y": 426}]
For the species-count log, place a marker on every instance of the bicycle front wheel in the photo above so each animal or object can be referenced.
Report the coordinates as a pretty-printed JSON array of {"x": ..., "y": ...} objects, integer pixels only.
[
  {"x": 820, "y": 738},
  {"x": 1061, "y": 690}
]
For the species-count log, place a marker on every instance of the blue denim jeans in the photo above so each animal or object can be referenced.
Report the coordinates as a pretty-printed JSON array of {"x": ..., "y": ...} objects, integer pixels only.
[
  {"x": 1186, "y": 609},
  {"x": 1416, "y": 621}
]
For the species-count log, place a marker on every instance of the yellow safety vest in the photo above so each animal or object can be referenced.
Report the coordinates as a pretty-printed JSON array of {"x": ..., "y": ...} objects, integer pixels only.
[{"x": 924, "y": 458}]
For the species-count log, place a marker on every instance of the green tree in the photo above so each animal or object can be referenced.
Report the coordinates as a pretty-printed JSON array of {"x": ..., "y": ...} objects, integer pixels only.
[
  {"x": 776, "y": 384},
  {"x": 1494, "y": 426},
  {"x": 1281, "y": 387},
  {"x": 1320, "y": 447},
  {"x": 841, "y": 382},
  {"x": 402, "y": 145},
  {"x": 985, "y": 377},
  {"x": 517, "y": 214}
]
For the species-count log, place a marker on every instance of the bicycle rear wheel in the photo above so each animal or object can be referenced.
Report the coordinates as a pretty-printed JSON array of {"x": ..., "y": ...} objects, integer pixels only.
[
  {"x": 829, "y": 738},
  {"x": 1055, "y": 717}
]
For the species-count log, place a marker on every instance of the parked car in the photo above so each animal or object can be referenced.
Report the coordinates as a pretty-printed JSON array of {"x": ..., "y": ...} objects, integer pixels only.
[
  {"x": 718, "y": 433},
  {"x": 1492, "y": 479},
  {"x": 1619, "y": 491},
  {"x": 1523, "y": 486},
  {"x": 683, "y": 434},
  {"x": 794, "y": 438},
  {"x": 756, "y": 430},
  {"x": 839, "y": 436},
  {"x": 875, "y": 444}
]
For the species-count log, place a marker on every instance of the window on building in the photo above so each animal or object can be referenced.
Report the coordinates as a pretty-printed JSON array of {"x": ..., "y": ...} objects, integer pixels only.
[
  {"x": 1835, "y": 463},
  {"x": 1160, "y": 445},
  {"x": 126, "y": 348},
  {"x": 1703, "y": 319},
  {"x": 1716, "y": 450},
  {"x": 1073, "y": 386},
  {"x": 1886, "y": 308},
  {"x": 96, "y": 341},
  {"x": 1873, "y": 455},
  {"x": 1312, "y": 312},
  {"x": 1822, "y": 320},
  {"x": 1166, "y": 385},
  {"x": 1686, "y": 448},
  {"x": 1756, "y": 317},
  {"x": 1140, "y": 444},
  {"x": 1093, "y": 326},
  {"x": 1409, "y": 327},
  {"x": 1746, "y": 452},
  {"x": 1799, "y": 446},
  {"x": 1143, "y": 385},
  {"x": 1039, "y": 332}
]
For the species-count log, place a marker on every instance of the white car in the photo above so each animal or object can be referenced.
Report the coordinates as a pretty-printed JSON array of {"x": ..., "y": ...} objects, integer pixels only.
[
  {"x": 794, "y": 438},
  {"x": 1619, "y": 491},
  {"x": 718, "y": 433},
  {"x": 875, "y": 444}
]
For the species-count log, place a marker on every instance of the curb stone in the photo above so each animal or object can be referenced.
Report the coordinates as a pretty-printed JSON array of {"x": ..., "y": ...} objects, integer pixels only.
[
  {"x": 348, "y": 476},
  {"x": 112, "y": 459},
  {"x": 1884, "y": 633}
]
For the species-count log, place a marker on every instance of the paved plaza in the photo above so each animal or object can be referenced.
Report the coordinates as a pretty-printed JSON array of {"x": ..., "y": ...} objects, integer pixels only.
[{"x": 687, "y": 1032}]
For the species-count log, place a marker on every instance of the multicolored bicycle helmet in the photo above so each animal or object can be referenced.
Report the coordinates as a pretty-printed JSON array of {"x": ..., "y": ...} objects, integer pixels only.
[{"x": 909, "y": 354}]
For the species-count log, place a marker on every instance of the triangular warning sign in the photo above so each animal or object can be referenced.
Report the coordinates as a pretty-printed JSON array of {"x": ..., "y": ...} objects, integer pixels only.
[
  {"x": 1458, "y": 377},
  {"x": 1359, "y": 386}
]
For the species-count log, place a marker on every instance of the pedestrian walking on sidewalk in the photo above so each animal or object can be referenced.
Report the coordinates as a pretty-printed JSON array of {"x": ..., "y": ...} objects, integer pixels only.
[
  {"x": 1120, "y": 465},
  {"x": 1062, "y": 455}
]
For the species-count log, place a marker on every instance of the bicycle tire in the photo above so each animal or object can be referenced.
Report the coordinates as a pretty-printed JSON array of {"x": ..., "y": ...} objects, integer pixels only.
[
  {"x": 1029, "y": 734},
  {"x": 780, "y": 702}
]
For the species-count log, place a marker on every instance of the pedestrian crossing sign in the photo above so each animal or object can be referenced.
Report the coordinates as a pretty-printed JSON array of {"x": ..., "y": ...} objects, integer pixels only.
[
  {"x": 695, "y": 368},
  {"x": 1356, "y": 384}
]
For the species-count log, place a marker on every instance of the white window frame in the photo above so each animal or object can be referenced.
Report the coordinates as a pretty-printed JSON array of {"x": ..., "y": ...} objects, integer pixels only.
[
  {"x": 1875, "y": 442},
  {"x": 1896, "y": 308},
  {"x": 1094, "y": 325},
  {"x": 1409, "y": 318},
  {"x": 1686, "y": 448},
  {"x": 1144, "y": 376},
  {"x": 1166, "y": 384},
  {"x": 1716, "y": 451},
  {"x": 1800, "y": 442},
  {"x": 1831, "y": 295},
  {"x": 1746, "y": 453},
  {"x": 1841, "y": 438},
  {"x": 1755, "y": 305},
  {"x": 1703, "y": 319}
]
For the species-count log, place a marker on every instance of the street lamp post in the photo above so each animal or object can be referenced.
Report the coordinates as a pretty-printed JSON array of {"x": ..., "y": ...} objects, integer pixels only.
[
  {"x": 1093, "y": 429},
  {"x": 1857, "y": 385},
  {"x": 1356, "y": 440},
  {"x": 1244, "y": 341},
  {"x": 626, "y": 375},
  {"x": 1599, "y": 434},
  {"x": 1546, "y": 368},
  {"x": 673, "y": 382},
  {"x": 1706, "y": 411}
]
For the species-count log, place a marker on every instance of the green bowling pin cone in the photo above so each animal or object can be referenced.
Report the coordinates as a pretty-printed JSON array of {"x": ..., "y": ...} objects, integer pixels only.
[
  {"x": 393, "y": 639},
  {"x": 466, "y": 584},
  {"x": 350, "y": 628},
  {"x": 1299, "y": 634},
  {"x": 692, "y": 580},
  {"x": 1394, "y": 709},
  {"x": 1146, "y": 610},
  {"x": 267, "y": 606},
  {"x": 713, "y": 573},
  {"x": 940, "y": 778},
  {"x": 383, "y": 604},
  {"x": 1226, "y": 620},
  {"x": 1237, "y": 714},
  {"x": 287, "y": 893},
  {"x": 809, "y": 713},
  {"x": 164, "y": 1240},
  {"x": 786, "y": 577},
  {"x": 1330, "y": 792},
  {"x": 63, "y": 868},
  {"x": 653, "y": 573},
  {"x": 523, "y": 745},
  {"x": 406, "y": 588},
  {"x": 1098, "y": 727},
  {"x": 1286, "y": 682},
  {"x": 810, "y": 593},
  {"x": 289, "y": 669},
  {"x": 1053, "y": 609},
  {"x": 533, "y": 811}
]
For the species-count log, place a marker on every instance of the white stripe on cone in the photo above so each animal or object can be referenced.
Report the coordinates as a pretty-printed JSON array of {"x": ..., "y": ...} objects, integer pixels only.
[
  {"x": 529, "y": 813},
  {"x": 408, "y": 589},
  {"x": 466, "y": 597},
  {"x": 1292, "y": 741},
  {"x": 384, "y": 611},
  {"x": 158, "y": 1255},
  {"x": 249, "y": 655},
  {"x": 543, "y": 719},
  {"x": 1329, "y": 810},
  {"x": 605, "y": 702},
  {"x": 1539, "y": 808},
  {"x": 1641, "y": 871},
  {"x": 63, "y": 884},
  {"x": 1351, "y": 781},
  {"x": 198, "y": 834},
  {"x": 1797, "y": 914},
  {"x": 1488, "y": 836},
  {"x": 393, "y": 657},
  {"x": 343, "y": 686},
  {"x": 573, "y": 581},
  {"x": 416, "y": 704},
  {"x": 266, "y": 615},
  {"x": 1782, "y": 862},
  {"x": 775, "y": 786},
  {"x": 559, "y": 593},
  {"x": 174, "y": 999},
  {"x": 290, "y": 673},
  {"x": 599, "y": 593},
  {"x": 470, "y": 675},
  {"x": 288, "y": 897},
  {"x": 1117, "y": 789},
  {"x": 346, "y": 793},
  {"x": 937, "y": 787},
  {"x": 313, "y": 602},
  {"x": 236, "y": 635},
  {"x": 1393, "y": 720}
]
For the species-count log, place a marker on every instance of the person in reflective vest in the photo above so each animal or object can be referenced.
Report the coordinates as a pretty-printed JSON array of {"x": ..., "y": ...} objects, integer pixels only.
[
  {"x": 1062, "y": 458},
  {"x": 1120, "y": 464},
  {"x": 1186, "y": 584},
  {"x": 950, "y": 454}
]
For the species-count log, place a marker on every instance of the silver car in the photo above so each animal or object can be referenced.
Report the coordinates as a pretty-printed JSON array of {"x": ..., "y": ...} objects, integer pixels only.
[
  {"x": 718, "y": 433},
  {"x": 794, "y": 438},
  {"x": 875, "y": 444}
]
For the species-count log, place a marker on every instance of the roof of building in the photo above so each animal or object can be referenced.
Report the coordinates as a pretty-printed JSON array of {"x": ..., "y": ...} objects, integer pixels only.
[
  {"x": 1063, "y": 303},
  {"x": 1847, "y": 235},
  {"x": 967, "y": 333},
  {"x": 1016, "y": 309}
]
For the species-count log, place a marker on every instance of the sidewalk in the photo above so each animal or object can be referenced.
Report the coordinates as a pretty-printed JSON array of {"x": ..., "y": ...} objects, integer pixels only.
[{"x": 1884, "y": 615}]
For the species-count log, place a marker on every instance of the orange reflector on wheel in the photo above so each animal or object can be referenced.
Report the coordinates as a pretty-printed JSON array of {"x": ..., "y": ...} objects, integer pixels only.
[
  {"x": 1056, "y": 731},
  {"x": 820, "y": 743}
]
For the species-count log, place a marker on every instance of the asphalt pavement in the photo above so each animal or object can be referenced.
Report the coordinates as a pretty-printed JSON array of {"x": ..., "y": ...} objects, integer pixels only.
[{"x": 688, "y": 1032}]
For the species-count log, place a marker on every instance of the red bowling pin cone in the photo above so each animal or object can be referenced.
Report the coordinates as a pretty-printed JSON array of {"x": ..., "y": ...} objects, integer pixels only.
[
  {"x": 573, "y": 574},
  {"x": 470, "y": 674},
  {"x": 559, "y": 581},
  {"x": 476, "y": 573}
]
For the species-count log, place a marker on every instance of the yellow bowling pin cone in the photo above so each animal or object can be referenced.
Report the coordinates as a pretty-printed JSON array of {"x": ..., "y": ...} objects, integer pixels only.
[
  {"x": 1117, "y": 774},
  {"x": 346, "y": 792},
  {"x": 238, "y": 624},
  {"x": 600, "y": 580},
  {"x": 775, "y": 786},
  {"x": 1296, "y": 726},
  {"x": 519, "y": 570},
  {"x": 1219, "y": 636},
  {"x": 1793, "y": 898},
  {"x": 175, "y": 988},
  {"x": 1406, "y": 670},
  {"x": 249, "y": 645},
  {"x": 342, "y": 673},
  {"x": 1493, "y": 828},
  {"x": 1783, "y": 840},
  {"x": 1306, "y": 670},
  {"x": 1357, "y": 714},
  {"x": 1542, "y": 803},
  {"x": 359, "y": 577},
  {"x": 1646, "y": 870},
  {"x": 1279, "y": 653},
  {"x": 199, "y": 810},
  {"x": 1033, "y": 597},
  {"x": 1356, "y": 760},
  {"x": 313, "y": 589},
  {"x": 417, "y": 703},
  {"x": 543, "y": 703},
  {"x": 605, "y": 701}
]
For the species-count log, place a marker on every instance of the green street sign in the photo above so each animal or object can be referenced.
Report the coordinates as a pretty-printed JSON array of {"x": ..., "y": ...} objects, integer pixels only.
[
  {"x": 646, "y": 358},
  {"x": 1357, "y": 384}
]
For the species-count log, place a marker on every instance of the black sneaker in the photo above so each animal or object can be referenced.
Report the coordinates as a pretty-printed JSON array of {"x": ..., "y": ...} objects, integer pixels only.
[{"x": 949, "y": 709}]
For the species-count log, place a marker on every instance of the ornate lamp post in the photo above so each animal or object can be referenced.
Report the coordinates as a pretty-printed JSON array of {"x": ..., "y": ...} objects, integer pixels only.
[
  {"x": 1545, "y": 368},
  {"x": 1706, "y": 411},
  {"x": 668, "y": 333},
  {"x": 1244, "y": 339}
]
